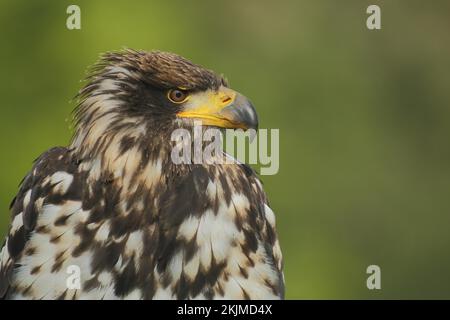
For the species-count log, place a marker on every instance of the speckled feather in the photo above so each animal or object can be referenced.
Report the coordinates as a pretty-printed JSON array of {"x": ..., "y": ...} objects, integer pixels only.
[{"x": 138, "y": 226}]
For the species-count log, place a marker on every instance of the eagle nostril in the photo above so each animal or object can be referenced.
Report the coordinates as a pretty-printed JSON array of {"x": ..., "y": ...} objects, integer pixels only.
[{"x": 226, "y": 99}]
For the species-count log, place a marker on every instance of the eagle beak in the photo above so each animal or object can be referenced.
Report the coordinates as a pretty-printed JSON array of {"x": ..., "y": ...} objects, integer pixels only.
[{"x": 223, "y": 108}]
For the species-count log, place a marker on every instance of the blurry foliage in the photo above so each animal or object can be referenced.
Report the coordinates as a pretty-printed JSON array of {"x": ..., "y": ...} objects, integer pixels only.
[{"x": 363, "y": 116}]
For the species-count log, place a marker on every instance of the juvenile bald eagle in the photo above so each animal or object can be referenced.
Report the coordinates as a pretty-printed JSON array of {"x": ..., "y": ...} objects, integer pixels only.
[{"x": 136, "y": 225}]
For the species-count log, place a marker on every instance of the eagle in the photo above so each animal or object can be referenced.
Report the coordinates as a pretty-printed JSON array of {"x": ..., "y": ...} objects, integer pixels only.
[{"x": 134, "y": 224}]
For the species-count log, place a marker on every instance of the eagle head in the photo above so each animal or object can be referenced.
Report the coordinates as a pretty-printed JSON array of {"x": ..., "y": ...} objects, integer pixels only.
[{"x": 141, "y": 95}]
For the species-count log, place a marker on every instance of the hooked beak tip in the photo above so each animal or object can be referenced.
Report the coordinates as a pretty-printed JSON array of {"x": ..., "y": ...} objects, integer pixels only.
[{"x": 242, "y": 112}]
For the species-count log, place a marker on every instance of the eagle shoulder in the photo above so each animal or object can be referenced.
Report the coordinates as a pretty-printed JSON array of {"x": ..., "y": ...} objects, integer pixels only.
[{"x": 51, "y": 180}]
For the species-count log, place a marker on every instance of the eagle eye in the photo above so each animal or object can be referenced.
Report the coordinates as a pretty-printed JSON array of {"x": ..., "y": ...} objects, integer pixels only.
[{"x": 177, "y": 95}]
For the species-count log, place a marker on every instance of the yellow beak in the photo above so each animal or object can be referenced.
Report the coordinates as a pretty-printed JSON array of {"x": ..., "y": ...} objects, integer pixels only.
[{"x": 223, "y": 108}]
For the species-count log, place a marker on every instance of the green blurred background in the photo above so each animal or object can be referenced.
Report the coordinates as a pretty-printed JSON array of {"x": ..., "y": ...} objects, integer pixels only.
[{"x": 364, "y": 119}]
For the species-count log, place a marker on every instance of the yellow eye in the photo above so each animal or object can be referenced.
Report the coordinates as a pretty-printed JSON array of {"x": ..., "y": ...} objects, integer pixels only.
[{"x": 177, "y": 95}]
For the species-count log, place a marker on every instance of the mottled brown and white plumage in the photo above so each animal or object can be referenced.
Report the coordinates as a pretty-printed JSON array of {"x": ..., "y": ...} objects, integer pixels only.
[{"x": 137, "y": 225}]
